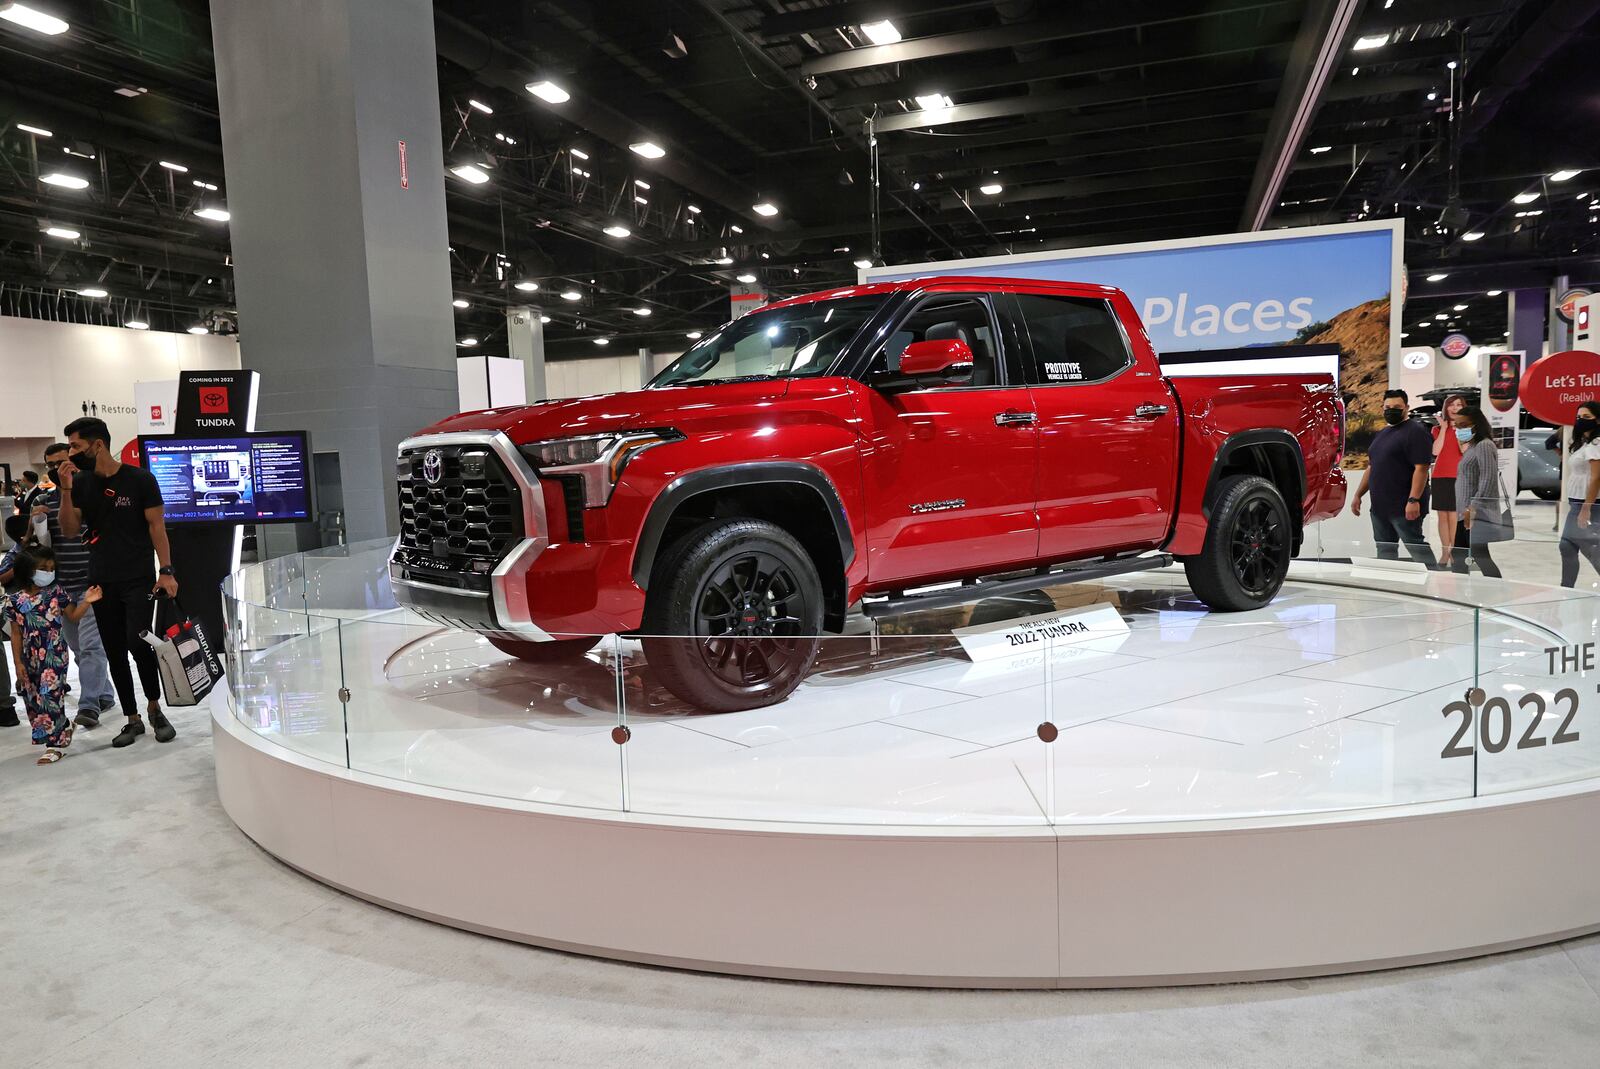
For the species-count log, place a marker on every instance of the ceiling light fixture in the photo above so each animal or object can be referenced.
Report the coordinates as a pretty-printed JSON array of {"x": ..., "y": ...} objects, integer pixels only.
[
  {"x": 216, "y": 215},
  {"x": 64, "y": 181},
  {"x": 549, "y": 92},
  {"x": 724, "y": 261},
  {"x": 204, "y": 185},
  {"x": 641, "y": 183},
  {"x": 1321, "y": 149},
  {"x": 617, "y": 231},
  {"x": 137, "y": 324},
  {"x": 1530, "y": 214},
  {"x": 481, "y": 106},
  {"x": 1461, "y": 308},
  {"x": 1494, "y": 293},
  {"x": 461, "y": 302},
  {"x": 694, "y": 209},
  {"x": 602, "y": 341},
  {"x": 132, "y": 91},
  {"x": 694, "y": 335},
  {"x": 1525, "y": 198},
  {"x": 544, "y": 319},
  {"x": 883, "y": 32},
  {"x": 736, "y": 229},
  {"x": 648, "y": 149},
  {"x": 1354, "y": 71},
  {"x": 1564, "y": 175},
  {"x": 578, "y": 152},
  {"x": 526, "y": 287},
  {"x": 765, "y": 208},
  {"x": 747, "y": 278},
  {"x": 640, "y": 200},
  {"x": 1367, "y": 44},
  {"x": 63, "y": 232},
  {"x": 1472, "y": 235},
  {"x": 180, "y": 168},
  {"x": 91, "y": 291},
  {"x": 1451, "y": 65},
  {"x": 934, "y": 102},
  {"x": 468, "y": 172},
  {"x": 36, "y": 131},
  {"x": 990, "y": 189},
  {"x": 642, "y": 311},
  {"x": 1433, "y": 96},
  {"x": 468, "y": 342},
  {"x": 33, "y": 19},
  {"x": 1438, "y": 276},
  {"x": 571, "y": 295},
  {"x": 863, "y": 263},
  {"x": 199, "y": 328}
]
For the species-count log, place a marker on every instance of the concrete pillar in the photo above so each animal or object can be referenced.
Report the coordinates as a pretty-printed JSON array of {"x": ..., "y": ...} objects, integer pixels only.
[
  {"x": 1527, "y": 318},
  {"x": 1560, "y": 329},
  {"x": 646, "y": 365},
  {"x": 525, "y": 342},
  {"x": 340, "y": 245}
]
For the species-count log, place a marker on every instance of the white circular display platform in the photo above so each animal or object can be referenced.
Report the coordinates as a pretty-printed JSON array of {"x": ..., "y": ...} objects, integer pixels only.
[{"x": 1226, "y": 797}]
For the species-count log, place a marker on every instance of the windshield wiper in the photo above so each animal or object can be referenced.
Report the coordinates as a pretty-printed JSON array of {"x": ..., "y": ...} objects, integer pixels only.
[{"x": 720, "y": 382}]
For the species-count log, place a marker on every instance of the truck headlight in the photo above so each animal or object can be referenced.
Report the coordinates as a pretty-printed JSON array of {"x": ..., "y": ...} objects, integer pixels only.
[{"x": 598, "y": 458}]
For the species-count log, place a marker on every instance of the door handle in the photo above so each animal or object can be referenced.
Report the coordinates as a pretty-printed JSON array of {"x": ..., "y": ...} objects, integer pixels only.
[
  {"x": 1013, "y": 418},
  {"x": 1150, "y": 411}
]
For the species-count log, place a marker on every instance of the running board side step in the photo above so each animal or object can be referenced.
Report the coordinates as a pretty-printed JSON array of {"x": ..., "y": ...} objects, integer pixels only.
[{"x": 944, "y": 598}]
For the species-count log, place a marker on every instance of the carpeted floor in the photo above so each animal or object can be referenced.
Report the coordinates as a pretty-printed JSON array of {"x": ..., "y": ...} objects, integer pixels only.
[{"x": 144, "y": 929}]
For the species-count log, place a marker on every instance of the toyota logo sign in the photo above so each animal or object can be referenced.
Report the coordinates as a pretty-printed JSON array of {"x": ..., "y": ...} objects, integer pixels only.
[{"x": 433, "y": 467}]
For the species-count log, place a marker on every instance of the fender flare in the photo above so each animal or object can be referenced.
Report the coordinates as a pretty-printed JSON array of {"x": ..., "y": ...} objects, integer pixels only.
[
  {"x": 1272, "y": 436},
  {"x": 692, "y": 484}
]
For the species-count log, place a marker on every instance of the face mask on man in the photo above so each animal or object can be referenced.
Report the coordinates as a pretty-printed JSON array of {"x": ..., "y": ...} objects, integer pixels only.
[
  {"x": 1463, "y": 435},
  {"x": 42, "y": 579},
  {"x": 1394, "y": 416},
  {"x": 83, "y": 461},
  {"x": 1583, "y": 424}
]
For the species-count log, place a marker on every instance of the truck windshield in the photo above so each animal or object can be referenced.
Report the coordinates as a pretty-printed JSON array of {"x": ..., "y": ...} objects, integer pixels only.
[{"x": 802, "y": 339}]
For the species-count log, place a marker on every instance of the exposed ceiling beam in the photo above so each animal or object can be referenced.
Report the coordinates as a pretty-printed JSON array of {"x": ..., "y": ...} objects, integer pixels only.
[
  {"x": 1318, "y": 48},
  {"x": 1079, "y": 23},
  {"x": 832, "y": 16},
  {"x": 1117, "y": 92},
  {"x": 1423, "y": 12}
]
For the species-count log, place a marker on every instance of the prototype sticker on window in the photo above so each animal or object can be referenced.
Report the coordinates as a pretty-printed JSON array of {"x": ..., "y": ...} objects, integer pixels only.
[{"x": 1063, "y": 371}]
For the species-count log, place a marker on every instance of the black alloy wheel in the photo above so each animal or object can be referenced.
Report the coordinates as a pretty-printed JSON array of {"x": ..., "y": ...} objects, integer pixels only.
[
  {"x": 1249, "y": 542},
  {"x": 1259, "y": 550},
  {"x": 748, "y": 617}
]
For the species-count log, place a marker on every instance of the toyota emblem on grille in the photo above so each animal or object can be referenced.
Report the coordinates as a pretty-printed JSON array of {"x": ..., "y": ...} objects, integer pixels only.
[{"x": 433, "y": 467}]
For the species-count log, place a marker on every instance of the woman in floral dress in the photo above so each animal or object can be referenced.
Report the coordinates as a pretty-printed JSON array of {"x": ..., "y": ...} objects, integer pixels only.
[{"x": 39, "y": 647}]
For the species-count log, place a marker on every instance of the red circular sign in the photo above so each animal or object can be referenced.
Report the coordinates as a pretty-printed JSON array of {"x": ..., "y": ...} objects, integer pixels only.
[
  {"x": 130, "y": 452},
  {"x": 1553, "y": 388}
]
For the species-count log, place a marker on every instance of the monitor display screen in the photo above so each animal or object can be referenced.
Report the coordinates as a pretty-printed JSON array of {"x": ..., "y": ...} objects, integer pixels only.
[{"x": 252, "y": 478}]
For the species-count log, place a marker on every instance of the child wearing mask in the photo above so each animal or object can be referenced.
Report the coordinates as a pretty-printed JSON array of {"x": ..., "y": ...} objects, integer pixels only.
[{"x": 39, "y": 648}]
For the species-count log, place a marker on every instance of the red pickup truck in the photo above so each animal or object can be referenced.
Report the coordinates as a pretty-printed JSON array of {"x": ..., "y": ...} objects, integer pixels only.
[{"x": 845, "y": 449}]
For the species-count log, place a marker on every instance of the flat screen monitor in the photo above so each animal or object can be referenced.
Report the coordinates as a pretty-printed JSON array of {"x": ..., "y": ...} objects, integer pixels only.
[{"x": 247, "y": 478}]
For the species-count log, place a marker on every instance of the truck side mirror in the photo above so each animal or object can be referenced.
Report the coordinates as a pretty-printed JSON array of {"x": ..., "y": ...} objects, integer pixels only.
[{"x": 943, "y": 356}]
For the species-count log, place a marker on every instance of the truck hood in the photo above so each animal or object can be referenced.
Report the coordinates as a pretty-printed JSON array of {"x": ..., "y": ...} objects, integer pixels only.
[{"x": 670, "y": 406}]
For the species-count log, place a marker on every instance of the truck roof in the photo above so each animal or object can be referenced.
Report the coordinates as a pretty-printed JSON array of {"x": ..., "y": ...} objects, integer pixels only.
[{"x": 967, "y": 282}]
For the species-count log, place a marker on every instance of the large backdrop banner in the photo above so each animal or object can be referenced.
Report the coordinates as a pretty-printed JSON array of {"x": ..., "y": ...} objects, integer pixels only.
[{"x": 1329, "y": 285}]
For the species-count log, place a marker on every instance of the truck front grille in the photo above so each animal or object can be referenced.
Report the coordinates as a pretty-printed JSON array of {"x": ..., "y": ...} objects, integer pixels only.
[{"x": 464, "y": 522}]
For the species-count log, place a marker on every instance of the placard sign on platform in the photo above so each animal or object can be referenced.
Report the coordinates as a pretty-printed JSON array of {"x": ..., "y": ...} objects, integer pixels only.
[
  {"x": 1500, "y": 381},
  {"x": 1552, "y": 388},
  {"x": 215, "y": 402},
  {"x": 1008, "y": 638}
]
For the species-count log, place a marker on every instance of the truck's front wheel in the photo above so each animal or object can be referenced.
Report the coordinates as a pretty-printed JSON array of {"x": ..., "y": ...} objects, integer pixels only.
[
  {"x": 1247, "y": 549},
  {"x": 747, "y": 601}
]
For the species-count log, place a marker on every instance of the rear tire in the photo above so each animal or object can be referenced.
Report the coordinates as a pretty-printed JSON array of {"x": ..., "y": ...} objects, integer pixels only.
[
  {"x": 558, "y": 651},
  {"x": 747, "y": 601},
  {"x": 1248, "y": 546}
]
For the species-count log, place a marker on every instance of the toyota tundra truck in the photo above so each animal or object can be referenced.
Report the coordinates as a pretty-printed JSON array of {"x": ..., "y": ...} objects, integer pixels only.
[{"x": 847, "y": 450}]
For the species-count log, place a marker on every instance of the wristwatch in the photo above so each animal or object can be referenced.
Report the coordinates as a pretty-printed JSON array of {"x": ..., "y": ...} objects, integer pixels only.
[
  {"x": 165, "y": 571},
  {"x": 1409, "y": 501}
]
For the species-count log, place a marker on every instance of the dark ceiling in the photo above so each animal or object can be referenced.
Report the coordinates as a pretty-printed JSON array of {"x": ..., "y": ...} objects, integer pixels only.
[{"x": 1101, "y": 122}]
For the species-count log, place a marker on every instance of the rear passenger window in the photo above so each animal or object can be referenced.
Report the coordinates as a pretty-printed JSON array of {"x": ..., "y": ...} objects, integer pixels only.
[{"x": 1075, "y": 339}]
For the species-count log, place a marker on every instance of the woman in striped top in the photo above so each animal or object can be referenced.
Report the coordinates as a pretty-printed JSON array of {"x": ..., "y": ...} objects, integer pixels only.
[{"x": 1478, "y": 497}]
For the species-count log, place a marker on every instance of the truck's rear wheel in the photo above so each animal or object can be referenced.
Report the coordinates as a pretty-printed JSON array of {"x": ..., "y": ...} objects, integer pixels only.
[
  {"x": 1247, "y": 549},
  {"x": 747, "y": 600},
  {"x": 556, "y": 651}
]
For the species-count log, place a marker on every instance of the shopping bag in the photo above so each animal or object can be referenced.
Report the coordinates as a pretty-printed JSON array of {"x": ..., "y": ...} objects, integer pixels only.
[{"x": 184, "y": 654}]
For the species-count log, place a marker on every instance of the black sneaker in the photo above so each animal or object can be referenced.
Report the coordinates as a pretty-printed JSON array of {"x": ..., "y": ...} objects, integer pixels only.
[
  {"x": 163, "y": 728},
  {"x": 87, "y": 718},
  {"x": 8, "y": 718},
  {"x": 130, "y": 731}
]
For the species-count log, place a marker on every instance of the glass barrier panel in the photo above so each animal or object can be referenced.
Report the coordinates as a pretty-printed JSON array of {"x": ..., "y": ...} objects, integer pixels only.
[
  {"x": 890, "y": 729},
  {"x": 455, "y": 709},
  {"x": 283, "y": 677}
]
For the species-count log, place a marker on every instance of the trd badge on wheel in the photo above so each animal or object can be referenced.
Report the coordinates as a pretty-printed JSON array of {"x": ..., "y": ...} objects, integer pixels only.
[{"x": 433, "y": 467}]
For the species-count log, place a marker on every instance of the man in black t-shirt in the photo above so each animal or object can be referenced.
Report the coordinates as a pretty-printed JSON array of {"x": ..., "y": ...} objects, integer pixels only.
[
  {"x": 1397, "y": 475},
  {"x": 117, "y": 510}
]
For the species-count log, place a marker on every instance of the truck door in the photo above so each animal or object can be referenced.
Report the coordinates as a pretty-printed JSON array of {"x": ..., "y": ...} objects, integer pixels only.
[
  {"x": 1108, "y": 429},
  {"x": 949, "y": 470}
]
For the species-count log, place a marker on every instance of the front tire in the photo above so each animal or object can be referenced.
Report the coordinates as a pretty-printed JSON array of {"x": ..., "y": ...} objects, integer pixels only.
[
  {"x": 746, "y": 600},
  {"x": 1248, "y": 546}
]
